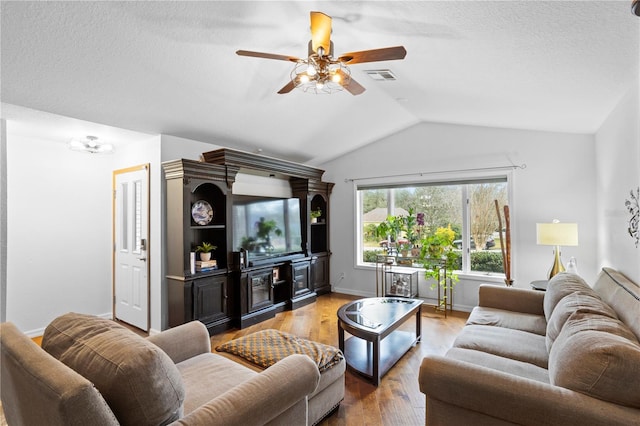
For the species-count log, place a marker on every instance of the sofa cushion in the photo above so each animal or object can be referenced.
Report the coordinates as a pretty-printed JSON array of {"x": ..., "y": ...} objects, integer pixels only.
[
  {"x": 208, "y": 376},
  {"x": 598, "y": 356},
  {"x": 505, "y": 365},
  {"x": 561, "y": 285},
  {"x": 532, "y": 323},
  {"x": 136, "y": 378},
  {"x": 578, "y": 302},
  {"x": 504, "y": 342}
]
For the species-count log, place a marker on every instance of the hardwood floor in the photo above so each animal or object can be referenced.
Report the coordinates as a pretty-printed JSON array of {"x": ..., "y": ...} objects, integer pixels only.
[{"x": 397, "y": 400}]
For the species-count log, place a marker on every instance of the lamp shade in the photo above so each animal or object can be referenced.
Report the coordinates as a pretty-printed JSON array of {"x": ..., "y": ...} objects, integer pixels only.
[{"x": 557, "y": 234}]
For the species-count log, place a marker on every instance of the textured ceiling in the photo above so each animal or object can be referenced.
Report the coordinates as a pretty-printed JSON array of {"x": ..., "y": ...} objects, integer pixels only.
[{"x": 171, "y": 68}]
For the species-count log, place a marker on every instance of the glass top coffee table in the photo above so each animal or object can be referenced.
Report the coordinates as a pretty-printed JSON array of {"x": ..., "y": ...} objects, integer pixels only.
[{"x": 379, "y": 333}]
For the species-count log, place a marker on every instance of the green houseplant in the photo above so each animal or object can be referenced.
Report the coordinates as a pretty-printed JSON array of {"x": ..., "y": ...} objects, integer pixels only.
[
  {"x": 205, "y": 250},
  {"x": 315, "y": 214},
  {"x": 438, "y": 251},
  {"x": 390, "y": 229}
]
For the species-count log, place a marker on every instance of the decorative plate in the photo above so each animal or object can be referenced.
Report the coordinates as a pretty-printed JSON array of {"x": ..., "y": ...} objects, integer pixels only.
[{"x": 202, "y": 212}]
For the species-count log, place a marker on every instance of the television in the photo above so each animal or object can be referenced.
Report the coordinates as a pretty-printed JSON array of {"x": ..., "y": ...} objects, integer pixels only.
[{"x": 266, "y": 227}]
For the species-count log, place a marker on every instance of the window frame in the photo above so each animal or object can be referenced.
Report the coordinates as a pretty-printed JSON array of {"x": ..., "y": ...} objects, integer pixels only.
[{"x": 436, "y": 178}]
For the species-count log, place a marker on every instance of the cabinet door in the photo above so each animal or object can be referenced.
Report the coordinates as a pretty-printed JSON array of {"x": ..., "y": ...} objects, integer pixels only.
[
  {"x": 300, "y": 282},
  {"x": 210, "y": 298},
  {"x": 260, "y": 291},
  {"x": 320, "y": 273}
]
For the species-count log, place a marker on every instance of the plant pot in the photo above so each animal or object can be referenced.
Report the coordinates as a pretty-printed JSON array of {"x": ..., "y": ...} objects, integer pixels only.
[
  {"x": 314, "y": 220},
  {"x": 205, "y": 256}
]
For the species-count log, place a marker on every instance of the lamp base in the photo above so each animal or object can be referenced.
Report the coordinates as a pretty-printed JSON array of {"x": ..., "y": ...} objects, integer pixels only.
[{"x": 557, "y": 264}]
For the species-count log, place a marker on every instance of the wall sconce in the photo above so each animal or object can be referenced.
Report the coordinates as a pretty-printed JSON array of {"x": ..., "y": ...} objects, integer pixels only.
[{"x": 557, "y": 234}]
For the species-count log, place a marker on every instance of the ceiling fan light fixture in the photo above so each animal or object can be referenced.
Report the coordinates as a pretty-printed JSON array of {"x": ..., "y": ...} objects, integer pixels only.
[
  {"x": 328, "y": 75},
  {"x": 90, "y": 145}
]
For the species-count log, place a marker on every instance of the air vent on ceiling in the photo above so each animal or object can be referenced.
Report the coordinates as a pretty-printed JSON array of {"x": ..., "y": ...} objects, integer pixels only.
[{"x": 381, "y": 75}]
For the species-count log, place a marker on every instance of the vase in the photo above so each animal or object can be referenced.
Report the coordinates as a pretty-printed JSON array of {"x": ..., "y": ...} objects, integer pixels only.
[{"x": 205, "y": 256}]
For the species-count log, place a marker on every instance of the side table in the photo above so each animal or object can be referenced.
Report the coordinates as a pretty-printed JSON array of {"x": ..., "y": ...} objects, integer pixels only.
[{"x": 539, "y": 285}]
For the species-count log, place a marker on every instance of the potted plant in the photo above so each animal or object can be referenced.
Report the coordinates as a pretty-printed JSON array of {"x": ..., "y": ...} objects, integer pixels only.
[
  {"x": 390, "y": 230},
  {"x": 438, "y": 251},
  {"x": 205, "y": 250},
  {"x": 315, "y": 214}
]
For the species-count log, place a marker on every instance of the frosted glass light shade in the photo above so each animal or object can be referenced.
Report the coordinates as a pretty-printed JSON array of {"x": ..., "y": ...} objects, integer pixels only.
[{"x": 557, "y": 234}]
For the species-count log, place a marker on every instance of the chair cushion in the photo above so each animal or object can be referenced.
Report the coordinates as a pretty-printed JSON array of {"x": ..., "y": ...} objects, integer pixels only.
[
  {"x": 575, "y": 302},
  {"x": 137, "y": 379},
  {"x": 597, "y": 356},
  {"x": 560, "y": 286}
]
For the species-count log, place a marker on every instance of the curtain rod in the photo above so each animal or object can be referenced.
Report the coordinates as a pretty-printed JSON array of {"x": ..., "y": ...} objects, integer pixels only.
[{"x": 512, "y": 167}]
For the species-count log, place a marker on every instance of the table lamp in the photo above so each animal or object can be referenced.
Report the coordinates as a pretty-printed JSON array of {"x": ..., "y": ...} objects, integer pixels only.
[{"x": 557, "y": 234}]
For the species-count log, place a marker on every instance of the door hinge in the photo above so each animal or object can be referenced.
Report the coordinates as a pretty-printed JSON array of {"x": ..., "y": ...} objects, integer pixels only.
[{"x": 114, "y": 194}]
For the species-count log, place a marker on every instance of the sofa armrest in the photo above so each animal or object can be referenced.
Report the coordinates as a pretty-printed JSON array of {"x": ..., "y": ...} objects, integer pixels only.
[
  {"x": 511, "y": 299},
  {"x": 512, "y": 398},
  {"x": 262, "y": 398},
  {"x": 184, "y": 341}
]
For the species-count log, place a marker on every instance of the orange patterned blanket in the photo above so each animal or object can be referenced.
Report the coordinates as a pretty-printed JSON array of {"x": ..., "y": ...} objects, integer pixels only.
[{"x": 265, "y": 348}]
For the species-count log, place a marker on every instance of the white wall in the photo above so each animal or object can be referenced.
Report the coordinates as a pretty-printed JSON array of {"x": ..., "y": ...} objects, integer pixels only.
[
  {"x": 3, "y": 220},
  {"x": 59, "y": 232},
  {"x": 557, "y": 183},
  {"x": 618, "y": 172}
]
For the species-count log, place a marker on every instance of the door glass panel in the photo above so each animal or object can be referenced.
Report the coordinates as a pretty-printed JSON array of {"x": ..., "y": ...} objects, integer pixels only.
[
  {"x": 124, "y": 210},
  {"x": 137, "y": 215}
]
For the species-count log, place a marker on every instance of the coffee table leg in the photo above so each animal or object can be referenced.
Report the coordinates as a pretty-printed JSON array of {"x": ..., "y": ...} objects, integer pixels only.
[
  {"x": 419, "y": 324},
  {"x": 340, "y": 338},
  {"x": 376, "y": 361}
]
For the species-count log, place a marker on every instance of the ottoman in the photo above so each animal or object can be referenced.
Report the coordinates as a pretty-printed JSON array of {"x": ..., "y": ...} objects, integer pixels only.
[{"x": 261, "y": 349}]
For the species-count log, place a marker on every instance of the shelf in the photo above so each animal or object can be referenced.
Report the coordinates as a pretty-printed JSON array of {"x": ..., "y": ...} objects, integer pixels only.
[
  {"x": 208, "y": 226},
  {"x": 359, "y": 352}
]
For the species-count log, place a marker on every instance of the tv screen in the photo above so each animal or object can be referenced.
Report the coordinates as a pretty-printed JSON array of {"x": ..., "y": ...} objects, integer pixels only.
[{"x": 266, "y": 226}]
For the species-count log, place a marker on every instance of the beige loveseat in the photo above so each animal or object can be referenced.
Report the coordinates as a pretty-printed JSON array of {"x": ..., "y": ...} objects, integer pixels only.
[
  {"x": 567, "y": 356},
  {"x": 94, "y": 371}
]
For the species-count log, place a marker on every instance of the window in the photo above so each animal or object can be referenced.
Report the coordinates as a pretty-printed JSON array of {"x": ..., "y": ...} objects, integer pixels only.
[{"x": 467, "y": 207}]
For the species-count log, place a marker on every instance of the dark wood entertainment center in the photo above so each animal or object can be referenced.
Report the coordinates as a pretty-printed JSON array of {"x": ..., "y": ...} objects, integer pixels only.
[{"x": 242, "y": 291}]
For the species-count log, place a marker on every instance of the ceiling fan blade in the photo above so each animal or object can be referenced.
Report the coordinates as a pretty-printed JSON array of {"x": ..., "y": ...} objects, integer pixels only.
[
  {"x": 287, "y": 88},
  {"x": 352, "y": 86},
  {"x": 384, "y": 54},
  {"x": 320, "y": 32},
  {"x": 267, "y": 55}
]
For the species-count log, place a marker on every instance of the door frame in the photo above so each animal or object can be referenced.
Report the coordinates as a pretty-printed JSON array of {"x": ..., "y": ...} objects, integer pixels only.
[{"x": 147, "y": 168}]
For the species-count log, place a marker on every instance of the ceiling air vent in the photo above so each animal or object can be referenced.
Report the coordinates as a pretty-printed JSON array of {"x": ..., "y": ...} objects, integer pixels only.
[{"x": 381, "y": 75}]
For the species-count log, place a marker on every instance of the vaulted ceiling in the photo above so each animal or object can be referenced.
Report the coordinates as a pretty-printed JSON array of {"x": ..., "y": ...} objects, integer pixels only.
[{"x": 171, "y": 68}]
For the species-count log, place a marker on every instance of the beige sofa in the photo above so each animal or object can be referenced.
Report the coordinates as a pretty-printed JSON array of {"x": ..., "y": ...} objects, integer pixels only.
[
  {"x": 93, "y": 371},
  {"x": 567, "y": 356}
]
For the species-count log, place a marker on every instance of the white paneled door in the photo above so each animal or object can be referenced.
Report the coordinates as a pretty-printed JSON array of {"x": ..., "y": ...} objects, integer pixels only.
[{"x": 131, "y": 245}]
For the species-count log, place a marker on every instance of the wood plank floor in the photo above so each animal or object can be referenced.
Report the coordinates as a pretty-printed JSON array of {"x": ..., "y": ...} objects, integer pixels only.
[{"x": 397, "y": 400}]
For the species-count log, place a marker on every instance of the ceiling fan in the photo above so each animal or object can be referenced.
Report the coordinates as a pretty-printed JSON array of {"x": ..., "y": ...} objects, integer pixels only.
[{"x": 320, "y": 72}]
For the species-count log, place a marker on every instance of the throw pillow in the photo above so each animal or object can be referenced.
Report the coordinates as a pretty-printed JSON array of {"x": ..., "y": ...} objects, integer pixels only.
[
  {"x": 578, "y": 302},
  {"x": 560, "y": 286},
  {"x": 597, "y": 356},
  {"x": 137, "y": 379},
  {"x": 266, "y": 347}
]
